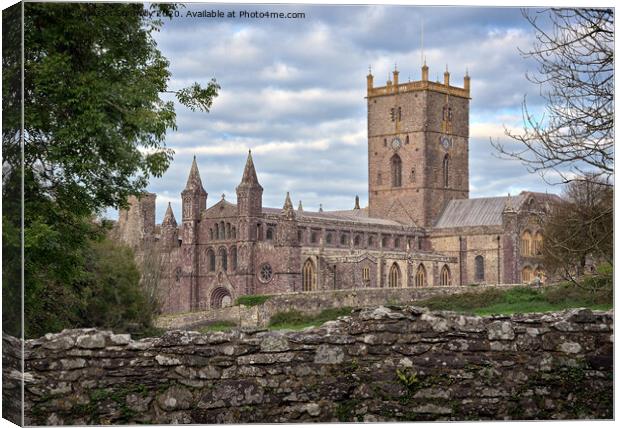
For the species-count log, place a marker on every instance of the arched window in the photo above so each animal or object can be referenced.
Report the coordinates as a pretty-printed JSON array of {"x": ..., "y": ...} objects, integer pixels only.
[
  {"x": 357, "y": 240},
  {"x": 222, "y": 231},
  {"x": 211, "y": 259},
  {"x": 446, "y": 170},
  {"x": 384, "y": 242},
  {"x": 407, "y": 139},
  {"x": 269, "y": 235},
  {"x": 479, "y": 267},
  {"x": 394, "y": 278},
  {"x": 211, "y": 234},
  {"x": 300, "y": 236},
  {"x": 371, "y": 241},
  {"x": 343, "y": 239},
  {"x": 308, "y": 276},
  {"x": 420, "y": 276},
  {"x": 397, "y": 243},
  {"x": 538, "y": 244},
  {"x": 234, "y": 232},
  {"x": 227, "y": 230},
  {"x": 223, "y": 258},
  {"x": 444, "y": 277},
  {"x": 217, "y": 231},
  {"x": 313, "y": 237},
  {"x": 328, "y": 238},
  {"x": 259, "y": 232},
  {"x": 526, "y": 243},
  {"x": 397, "y": 168},
  {"x": 526, "y": 275},
  {"x": 233, "y": 258},
  {"x": 366, "y": 274}
]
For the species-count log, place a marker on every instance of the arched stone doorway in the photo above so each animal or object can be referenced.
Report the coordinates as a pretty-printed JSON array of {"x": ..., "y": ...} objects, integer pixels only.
[{"x": 220, "y": 298}]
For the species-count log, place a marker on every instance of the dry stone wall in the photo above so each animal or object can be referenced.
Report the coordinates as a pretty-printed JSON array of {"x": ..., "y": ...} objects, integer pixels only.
[{"x": 379, "y": 364}]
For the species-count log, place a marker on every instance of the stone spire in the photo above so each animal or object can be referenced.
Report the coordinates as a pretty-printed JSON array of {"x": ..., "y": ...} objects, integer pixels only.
[
  {"x": 287, "y": 209},
  {"x": 169, "y": 219},
  {"x": 249, "y": 173},
  {"x": 193, "y": 181},
  {"x": 357, "y": 202},
  {"x": 320, "y": 208},
  {"x": 300, "y": 207}
]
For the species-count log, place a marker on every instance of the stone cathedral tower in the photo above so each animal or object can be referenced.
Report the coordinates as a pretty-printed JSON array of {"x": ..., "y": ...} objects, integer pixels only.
[{"x": 418, "y": 147}]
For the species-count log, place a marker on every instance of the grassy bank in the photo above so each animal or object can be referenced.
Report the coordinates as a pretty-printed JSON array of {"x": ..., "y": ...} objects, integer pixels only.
[
  {"x": 522, "y": 300},
  {"x": 295, "y": 320}
]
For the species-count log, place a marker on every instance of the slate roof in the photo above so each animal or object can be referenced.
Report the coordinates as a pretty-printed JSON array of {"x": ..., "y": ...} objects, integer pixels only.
[
  {"x": 356, "y": 216},
  {"x": 483, "y": 211}
]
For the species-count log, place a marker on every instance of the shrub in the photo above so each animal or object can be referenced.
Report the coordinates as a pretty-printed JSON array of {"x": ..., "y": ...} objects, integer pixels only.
[{"x": 254, "y": 300}]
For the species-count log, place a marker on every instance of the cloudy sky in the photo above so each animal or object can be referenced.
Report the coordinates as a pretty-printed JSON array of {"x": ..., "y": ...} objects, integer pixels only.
[{"x": 293, "y": 92}]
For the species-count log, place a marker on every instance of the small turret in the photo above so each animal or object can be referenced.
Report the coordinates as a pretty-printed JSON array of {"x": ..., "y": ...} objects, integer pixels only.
[
  {"x": 425, "y": 71},
  {"x": 287, "y": 210},
  {"x": 320, "y": 208},
  {"x": 287, "y": 225},
  {"x": 357, "y": 203},
  {"x": 169, "y": 220},
  {"x": 369, "y": 80},
  {"x": 169, "y": 232},
  {"x": 395, "y": 78},
  {"x": 249, "y": 191},
  {"x": 466, "y": 81},
  {"x": 300, "y": 207},
  {"x": 446, "y": 77},
  {"x": 194, "y": 195}
]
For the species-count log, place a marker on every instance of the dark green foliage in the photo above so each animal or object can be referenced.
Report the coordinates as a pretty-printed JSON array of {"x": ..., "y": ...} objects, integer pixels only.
[
  {"x": 95, "y": 126},
  {"x": 104, "y": 292},
  {"x": 111, "y": 292},
  {"x": 251, "y": 300},
  {"x": 296, "y": 319},
  {"x": 523, "y": 300}
]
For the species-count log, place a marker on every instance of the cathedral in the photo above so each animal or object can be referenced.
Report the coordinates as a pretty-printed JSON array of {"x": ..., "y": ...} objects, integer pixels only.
[{"x": 420, "y": 228}]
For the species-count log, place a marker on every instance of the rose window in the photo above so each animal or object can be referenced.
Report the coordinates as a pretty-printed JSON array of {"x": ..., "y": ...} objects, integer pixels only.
[{"x": 266, "y": 273}]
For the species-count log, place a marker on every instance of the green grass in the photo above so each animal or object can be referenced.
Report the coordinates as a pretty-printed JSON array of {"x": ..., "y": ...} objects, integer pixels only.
[
  {"x": 522, "y": 300},
  {"x": 218, "y": 326},
  {"x": 251, "y": 300},
  {"x": 295, "y": 320}
]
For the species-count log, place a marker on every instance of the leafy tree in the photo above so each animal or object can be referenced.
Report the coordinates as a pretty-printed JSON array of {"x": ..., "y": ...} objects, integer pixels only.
[
  {"x": 574, "y": 51},
  {"x": 95, "y": 123},
  {"x": 579, "y": 232}
]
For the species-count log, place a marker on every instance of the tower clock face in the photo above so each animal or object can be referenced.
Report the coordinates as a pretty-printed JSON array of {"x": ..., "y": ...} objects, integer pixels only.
[
  {"x": 446, "y": 142},
  {"x": 396, "y": 143}
]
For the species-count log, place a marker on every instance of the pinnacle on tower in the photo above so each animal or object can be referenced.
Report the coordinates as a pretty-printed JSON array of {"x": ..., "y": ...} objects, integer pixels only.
[
  {"x": 357, "y": 203},
  {"x": 509, "y": 207},
  {"x": 287, "y": 209},
  {"x": 249, "y": 173},
  {"x": 300, "y": 208},
  {"x": 320, "y": 208},
  {"x": 169, "y": 219},
  {"x": 193, "y": 181}
]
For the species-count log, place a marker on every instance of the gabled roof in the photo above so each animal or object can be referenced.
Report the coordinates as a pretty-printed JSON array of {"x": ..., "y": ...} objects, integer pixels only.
[{"x": 485, "y": 211}]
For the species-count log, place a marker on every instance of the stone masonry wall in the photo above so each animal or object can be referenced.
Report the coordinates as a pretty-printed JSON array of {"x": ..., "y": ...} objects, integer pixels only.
[
  {"x": 380, "y": 364},
  {"x": 312, "y": 303}
]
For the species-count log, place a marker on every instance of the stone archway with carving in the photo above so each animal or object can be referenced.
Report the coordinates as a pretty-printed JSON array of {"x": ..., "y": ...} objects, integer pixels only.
[{"x": 220, "y": 298}]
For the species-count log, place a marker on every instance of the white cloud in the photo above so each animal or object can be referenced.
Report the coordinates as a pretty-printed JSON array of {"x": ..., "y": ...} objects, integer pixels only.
[{"x": 293, "y": 92}]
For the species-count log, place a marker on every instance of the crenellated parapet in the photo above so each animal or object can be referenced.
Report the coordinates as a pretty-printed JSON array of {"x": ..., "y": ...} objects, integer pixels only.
[{"x": 394, "y": 87}]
